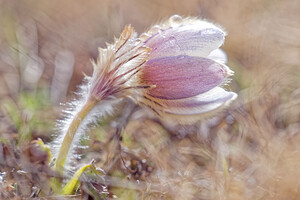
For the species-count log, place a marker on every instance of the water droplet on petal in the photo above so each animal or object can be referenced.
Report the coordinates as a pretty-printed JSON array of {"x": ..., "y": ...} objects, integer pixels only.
[
  {"x": 173, "y": 44},
  {"x": 172, "y": 40},
  {"x": 144, "y": 36},
  {"x": 176, "y": 19},
  {"x": 154, "y": 29}
]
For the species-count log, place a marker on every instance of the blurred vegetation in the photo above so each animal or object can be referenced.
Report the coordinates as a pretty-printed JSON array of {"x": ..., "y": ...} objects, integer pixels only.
[
  {"x": 249, "y": 151},
  {"x": 30, "y": 115}
]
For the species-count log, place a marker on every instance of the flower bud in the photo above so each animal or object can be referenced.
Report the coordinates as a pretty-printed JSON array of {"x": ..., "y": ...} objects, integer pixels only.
[{"x": 186, "y": 68}]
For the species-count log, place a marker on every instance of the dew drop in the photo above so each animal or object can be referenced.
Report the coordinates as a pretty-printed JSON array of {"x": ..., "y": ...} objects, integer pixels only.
[
  {"x": 176, "y": 19},
  {"x": 154, "y": 29},
  {"x": 144, "y": 36},
  {"x": 174, "y": 44},
  {"x": 172, "y": 40}
]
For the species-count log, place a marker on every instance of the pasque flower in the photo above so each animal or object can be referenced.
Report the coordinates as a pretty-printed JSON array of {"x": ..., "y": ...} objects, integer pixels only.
[
  {"x": 186, "y": 68},
  {"x": 176, "y": 69}
]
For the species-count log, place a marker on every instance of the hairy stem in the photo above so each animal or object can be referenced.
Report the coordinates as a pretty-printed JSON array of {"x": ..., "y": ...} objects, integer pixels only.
[{"x": 68, "y": 139}]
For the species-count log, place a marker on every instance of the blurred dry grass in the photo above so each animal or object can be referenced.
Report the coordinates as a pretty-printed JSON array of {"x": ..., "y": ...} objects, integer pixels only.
[{"x": 250, "y": 151}]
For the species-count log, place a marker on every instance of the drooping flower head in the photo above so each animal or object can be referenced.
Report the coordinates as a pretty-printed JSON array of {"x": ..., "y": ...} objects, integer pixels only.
[
  {"x": 176, "y": 68},
  {"x": 186, "y": 68}
]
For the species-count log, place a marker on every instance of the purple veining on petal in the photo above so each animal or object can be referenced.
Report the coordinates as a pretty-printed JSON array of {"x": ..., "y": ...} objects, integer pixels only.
[
  {"x": 182, "y": 76},
  {"x": 199, "y": 104},
  {"x": 185, "y": 40}
]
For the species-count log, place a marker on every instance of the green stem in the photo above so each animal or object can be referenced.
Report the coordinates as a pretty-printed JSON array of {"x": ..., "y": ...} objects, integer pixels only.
[{"x": 68, "y": 139}]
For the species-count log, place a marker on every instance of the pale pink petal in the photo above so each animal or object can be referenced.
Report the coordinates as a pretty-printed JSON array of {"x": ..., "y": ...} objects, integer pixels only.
[
  {"x": 200, "y": 104},
  {"x": 189, "y": 40},
  {"x": 182, "y": 76},
  {"x": 218, "y": 55}
]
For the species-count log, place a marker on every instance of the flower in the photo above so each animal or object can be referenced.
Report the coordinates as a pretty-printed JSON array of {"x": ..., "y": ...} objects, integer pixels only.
[
  {"x": 186, "y": 68},
  {"x": 176, "y": 69}
]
